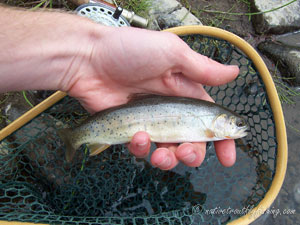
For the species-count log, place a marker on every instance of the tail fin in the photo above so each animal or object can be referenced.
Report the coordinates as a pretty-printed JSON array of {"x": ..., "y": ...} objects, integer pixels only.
[{"x": 64, "y": 134}]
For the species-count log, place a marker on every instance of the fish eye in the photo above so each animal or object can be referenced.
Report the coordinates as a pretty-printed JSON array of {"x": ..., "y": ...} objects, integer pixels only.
[{"x": 240, "y": 123}]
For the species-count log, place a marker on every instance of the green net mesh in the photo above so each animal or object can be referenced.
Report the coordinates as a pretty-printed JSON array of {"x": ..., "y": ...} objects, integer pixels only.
[{"x": 38, "y": 185}]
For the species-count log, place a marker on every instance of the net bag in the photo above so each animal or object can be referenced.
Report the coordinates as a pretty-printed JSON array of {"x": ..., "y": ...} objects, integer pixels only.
[{"x": 37, "y": 185}]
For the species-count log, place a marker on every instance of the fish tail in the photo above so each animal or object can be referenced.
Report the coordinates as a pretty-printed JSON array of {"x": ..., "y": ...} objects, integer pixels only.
[{"x": 64, "y": 134}]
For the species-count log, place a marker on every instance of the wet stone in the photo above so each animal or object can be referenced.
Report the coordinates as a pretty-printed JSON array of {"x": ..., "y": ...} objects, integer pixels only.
[
  {"x": 290, "y": 39},
  {"x": 286, "y": 58},
  {"x": 277, "y": 21}
]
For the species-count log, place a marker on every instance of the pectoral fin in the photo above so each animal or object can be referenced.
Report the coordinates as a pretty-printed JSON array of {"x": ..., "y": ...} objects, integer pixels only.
[
  {"x": 97, "y": 148},
  {"x": 209, "y": 133}
]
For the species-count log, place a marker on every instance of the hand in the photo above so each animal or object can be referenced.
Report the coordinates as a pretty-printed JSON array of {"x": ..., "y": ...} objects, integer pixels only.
[{"x": 129, "y": 60}]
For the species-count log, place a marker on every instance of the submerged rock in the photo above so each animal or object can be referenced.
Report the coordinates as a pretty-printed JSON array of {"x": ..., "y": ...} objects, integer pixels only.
[
  {"x": 286, "y": 58},
  {"x": 278, "y": 21},
  {"x": 290, "y": 39},
  {"x": 297, "y": 193}
]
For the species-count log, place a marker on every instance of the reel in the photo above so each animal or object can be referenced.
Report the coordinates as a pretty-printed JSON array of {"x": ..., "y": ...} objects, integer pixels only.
[{"x": 103, "y": 14}]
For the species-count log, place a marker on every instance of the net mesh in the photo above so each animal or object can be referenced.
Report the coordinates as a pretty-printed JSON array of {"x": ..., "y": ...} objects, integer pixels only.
[{"x": 38, "y": 185}]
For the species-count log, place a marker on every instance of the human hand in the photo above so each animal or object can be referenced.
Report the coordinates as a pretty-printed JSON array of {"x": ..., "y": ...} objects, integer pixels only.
[{"x": 125, "y": 61}]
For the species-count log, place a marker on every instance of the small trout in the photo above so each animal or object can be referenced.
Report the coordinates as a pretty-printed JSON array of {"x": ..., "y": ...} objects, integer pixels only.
[{"x": 166, "y": 119}]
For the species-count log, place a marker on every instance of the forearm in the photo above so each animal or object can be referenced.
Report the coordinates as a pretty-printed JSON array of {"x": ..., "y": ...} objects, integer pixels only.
[{"x": 39, "y": 50}]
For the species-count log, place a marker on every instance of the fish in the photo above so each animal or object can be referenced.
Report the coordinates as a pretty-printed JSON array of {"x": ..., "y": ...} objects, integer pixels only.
[{"x": 167, "y": 119}]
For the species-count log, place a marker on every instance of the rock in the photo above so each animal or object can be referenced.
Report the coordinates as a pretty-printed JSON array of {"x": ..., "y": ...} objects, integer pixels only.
[
  {"x": 278, "y": 21},
  {"x": 297, "y": 193},
  {"x": 169, "y": 13},
  {"x": 290, "y": 39},
  {"x": 286, "y": 58}
]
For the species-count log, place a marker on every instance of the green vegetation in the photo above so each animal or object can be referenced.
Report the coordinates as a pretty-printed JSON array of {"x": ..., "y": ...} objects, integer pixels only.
[
  {"x": 26, "y": 99},
  {"x": 297, "y": 131},
  {"x": 139, "y": 7},
  {"x": 218, "y": 17},
  {"x": 38, "y": 4},
  {"x": 286, "y": 93},
  {"x": 208, "y": 12},
  {"x": 250, "y": 13}
]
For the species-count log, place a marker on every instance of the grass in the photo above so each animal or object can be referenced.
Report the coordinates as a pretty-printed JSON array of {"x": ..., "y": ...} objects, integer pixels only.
[
  {"x": 286, "y": 94},
  {"x": 215, "y": 19},
  {"x": 218, "y": 17},
  {"x": 26, "y": 99},
  {"x": 250, "y": 13},
  {"x": 43, "y": 4},
  {"x": 139, "y": 7},
  {"x": 296, "y": 130},
  {"x": 39, "y": 4}
]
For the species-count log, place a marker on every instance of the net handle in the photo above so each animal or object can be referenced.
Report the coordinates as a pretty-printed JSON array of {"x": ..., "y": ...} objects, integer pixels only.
[
  {"x": 282, "y": 154},
  {"x": 281, "y": 162},
  {"x": 30, "y": 114}
]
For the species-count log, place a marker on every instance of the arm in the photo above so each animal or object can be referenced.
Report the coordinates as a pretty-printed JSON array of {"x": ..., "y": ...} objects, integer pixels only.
[
  {"x": 38, "y": 48},
  {"x": 101, "y": 66}
]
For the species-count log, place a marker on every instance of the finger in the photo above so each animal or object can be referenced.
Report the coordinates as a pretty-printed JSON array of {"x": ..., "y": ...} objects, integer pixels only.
[
  {"x": 180, "y": 85},
  {"x": 191, "y": 154},
  {"x": 164, "y": 158},
  {"x": 140, "y": 144},
  {"x": 167, "y": 145},
  {"x": 206, "y": 71},
  {"x": 226, "y": 152}
]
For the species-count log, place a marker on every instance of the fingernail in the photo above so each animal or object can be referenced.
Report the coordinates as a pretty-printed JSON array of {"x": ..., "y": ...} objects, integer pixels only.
[
  {"x": 189, "y": 158},
  {"x": 166, "y": 162},
  {"x": 141, "y": 146}
]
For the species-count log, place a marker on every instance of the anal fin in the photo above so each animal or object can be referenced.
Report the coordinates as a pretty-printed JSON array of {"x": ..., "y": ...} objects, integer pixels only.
[{"x": 97, "y": 148}]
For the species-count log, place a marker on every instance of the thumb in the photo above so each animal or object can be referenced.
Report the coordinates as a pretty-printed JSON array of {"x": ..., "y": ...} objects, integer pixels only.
[{"x": 204, "y": 70}]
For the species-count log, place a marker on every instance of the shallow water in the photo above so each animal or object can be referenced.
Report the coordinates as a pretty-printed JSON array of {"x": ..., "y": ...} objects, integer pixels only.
[
  {"x": 287, "y": 202},
  {"x": 223, "y": 193}
]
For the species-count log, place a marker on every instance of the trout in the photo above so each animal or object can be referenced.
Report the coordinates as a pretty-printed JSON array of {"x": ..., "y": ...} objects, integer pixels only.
[{"x": 166, "y": 119}]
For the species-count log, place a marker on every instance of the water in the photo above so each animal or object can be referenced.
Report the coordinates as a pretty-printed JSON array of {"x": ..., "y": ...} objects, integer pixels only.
[
  {"x": 287, "y": 201},
  {"x": 212, "y": 188}
]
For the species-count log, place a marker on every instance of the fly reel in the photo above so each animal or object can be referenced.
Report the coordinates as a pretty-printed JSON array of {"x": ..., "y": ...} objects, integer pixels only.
[{"x": 103, "y": 14}]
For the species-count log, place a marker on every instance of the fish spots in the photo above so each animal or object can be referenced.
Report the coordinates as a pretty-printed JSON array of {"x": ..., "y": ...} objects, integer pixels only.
[{"x": 209, "y": 133}]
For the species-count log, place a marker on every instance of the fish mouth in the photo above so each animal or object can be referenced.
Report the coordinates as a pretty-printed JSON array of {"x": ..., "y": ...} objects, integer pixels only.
[{"x": 243, "y": 131}]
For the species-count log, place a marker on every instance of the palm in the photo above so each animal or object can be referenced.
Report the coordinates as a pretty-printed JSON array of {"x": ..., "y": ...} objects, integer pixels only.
[{"x": 128, "y": 61}]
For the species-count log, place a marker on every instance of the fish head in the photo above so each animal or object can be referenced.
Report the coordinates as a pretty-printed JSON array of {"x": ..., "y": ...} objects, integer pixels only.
[{"x": 230, "y": 126}]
